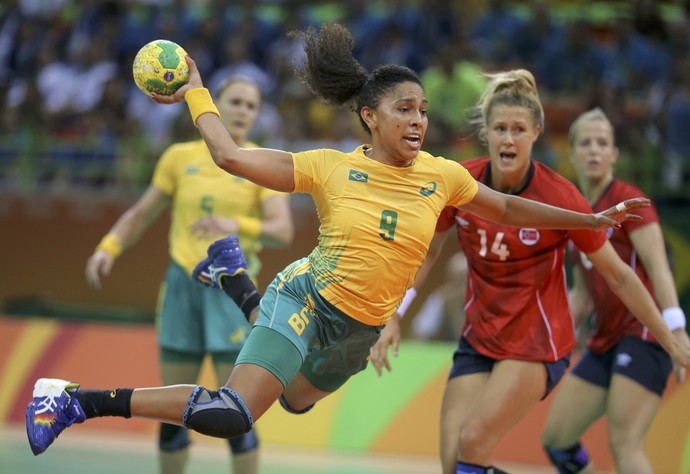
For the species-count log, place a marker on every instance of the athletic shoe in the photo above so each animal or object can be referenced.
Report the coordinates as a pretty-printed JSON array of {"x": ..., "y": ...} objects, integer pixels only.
[
  {"x": 225, "y": 258},
  {"x": 52, "y": 410}
]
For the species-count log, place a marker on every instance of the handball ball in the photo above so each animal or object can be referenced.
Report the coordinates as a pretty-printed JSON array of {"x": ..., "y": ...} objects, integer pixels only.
[{"x": 160, "y": 67}]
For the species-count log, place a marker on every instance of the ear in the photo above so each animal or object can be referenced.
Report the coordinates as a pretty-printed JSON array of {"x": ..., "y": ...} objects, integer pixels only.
[
  {"x": 537, "y": 132},
  {"x": 369, "y": 116}
]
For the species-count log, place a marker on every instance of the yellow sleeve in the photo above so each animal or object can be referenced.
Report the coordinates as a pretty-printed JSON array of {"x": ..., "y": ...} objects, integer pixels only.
[
  {"x": 307, "y": 165},
  {"x": 461, "y": 185},
  {"x": 164, "y": 173}
]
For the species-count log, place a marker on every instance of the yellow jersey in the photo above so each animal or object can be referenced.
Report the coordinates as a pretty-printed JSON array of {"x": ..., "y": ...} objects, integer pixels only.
[
  {"x": 198, "y": 188},
  {"x": 376, "y": 223}
]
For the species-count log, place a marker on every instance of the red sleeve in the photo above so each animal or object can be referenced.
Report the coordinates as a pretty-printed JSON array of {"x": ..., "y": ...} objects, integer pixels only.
[
  {"x": 446, "y": 220},
  {"x": 587, "y": 241}
]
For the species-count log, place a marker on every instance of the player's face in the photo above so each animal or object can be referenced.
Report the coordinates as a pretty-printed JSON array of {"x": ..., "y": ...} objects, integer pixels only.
[
  {"x": 594, "y": 153},
  {"x": 238, "y": 105},
  {"x": 511, "y": 132},
  {"x": 399, "y": 123}
]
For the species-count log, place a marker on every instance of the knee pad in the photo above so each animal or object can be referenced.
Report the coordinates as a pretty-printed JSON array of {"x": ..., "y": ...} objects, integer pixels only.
[
  {"x": 568, "y": 461},
  {"x": 289, "y": 409},
  {"x": 244, "y": 443},
  {"x": 221, "y": 413},
  {"x": 172, "y": 437}
]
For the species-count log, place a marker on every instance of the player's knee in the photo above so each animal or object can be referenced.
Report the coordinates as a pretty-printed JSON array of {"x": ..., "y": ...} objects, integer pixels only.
[
  {"x": 568, "y": 461},
  {"x": 220, "y": 413},
  {"x": 289, "y": 409},
  {"x": 472, "y": 442},
  {"x": 172, "y": 437},
  {"x": 244, "y": 443}
]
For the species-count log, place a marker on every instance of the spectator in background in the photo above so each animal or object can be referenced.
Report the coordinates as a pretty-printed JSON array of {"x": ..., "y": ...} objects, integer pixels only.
[
  {"x": 567, "y": 67},
  {"x": 669, "y": 105},
  {"x": 624, "y": 371},
  {"x": 237, "y": 61},
  {"x": 493, "y": 33},
  {"x": 540, "y": 30},
  {"x": 647, "y": 20},
  {"x": 453, "y": 84},
  {"x": 634, "y": 60}
]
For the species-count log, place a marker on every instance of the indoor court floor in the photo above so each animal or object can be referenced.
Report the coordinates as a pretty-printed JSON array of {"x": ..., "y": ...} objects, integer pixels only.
[{"x": 108, "y": 453}]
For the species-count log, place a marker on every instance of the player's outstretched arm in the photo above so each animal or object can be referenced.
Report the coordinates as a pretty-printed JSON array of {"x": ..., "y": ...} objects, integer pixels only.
[
  {"x": 519, "y": 212},
  {"x": 266, "y": 167}
]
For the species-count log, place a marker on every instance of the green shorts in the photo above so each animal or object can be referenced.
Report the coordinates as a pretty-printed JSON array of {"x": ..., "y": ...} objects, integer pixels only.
[
  {"x": 297, "y": 330},
  {"x": 194, "y": 319}
]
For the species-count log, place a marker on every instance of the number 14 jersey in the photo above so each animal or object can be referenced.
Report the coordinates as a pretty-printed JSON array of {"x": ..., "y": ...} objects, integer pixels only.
[{"x": 516, "y": 304}]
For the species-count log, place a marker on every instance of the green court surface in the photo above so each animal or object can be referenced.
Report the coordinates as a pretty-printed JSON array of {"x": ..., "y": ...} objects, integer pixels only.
[{"x": 105, "y": 453}]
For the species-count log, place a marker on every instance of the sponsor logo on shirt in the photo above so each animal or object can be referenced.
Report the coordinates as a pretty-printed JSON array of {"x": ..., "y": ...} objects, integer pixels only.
[
  {"x": 623, "y": 359},
  {"x": 358, "y": 176},
  {"x": 528, "y": 237},
  {"x": 191, "y": 169},
  {"x": 428, "y": 189}
]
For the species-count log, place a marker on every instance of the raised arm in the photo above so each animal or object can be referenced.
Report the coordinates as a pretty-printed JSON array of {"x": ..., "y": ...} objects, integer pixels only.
[
  {"x": 516, "y": 211},
  {"x": 266, "y": 167}
]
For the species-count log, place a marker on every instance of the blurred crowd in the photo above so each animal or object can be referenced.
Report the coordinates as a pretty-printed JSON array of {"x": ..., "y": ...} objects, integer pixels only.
[{"x": 73, "y": 119}]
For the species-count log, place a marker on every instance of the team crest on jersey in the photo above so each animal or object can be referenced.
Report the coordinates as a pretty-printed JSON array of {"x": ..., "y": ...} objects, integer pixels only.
[
  {"x": 528, "y": 237},
  {"x": 191, "y": 169},
  {"x": 358, "y": 176},
  {"x": 428, "y": 189}
]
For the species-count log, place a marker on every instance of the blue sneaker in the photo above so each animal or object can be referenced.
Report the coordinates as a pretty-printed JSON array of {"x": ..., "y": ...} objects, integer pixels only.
[
  {"x": 52, "y": 410},
  {"x": 225, "y": 258}
]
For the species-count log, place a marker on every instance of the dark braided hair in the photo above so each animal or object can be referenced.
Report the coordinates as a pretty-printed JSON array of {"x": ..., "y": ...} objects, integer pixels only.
[{"x": 337, "y": 78}]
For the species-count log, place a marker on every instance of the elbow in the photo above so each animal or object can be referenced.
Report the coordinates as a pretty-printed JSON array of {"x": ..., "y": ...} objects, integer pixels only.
[{"x": 224, "y": 160}]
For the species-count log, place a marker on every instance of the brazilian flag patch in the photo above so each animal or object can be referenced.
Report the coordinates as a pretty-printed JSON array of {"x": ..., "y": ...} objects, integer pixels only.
[{"x": 358, "y": 176}]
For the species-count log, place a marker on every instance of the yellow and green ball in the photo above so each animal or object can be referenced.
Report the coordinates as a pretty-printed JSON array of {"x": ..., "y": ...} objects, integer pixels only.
[{"x": 160, "y": 67}]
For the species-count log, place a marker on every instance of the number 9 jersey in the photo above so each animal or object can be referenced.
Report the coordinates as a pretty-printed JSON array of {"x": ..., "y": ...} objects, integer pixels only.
[
  {"x": 516, "y": 303},
  {"x": 377, "y": 222}
]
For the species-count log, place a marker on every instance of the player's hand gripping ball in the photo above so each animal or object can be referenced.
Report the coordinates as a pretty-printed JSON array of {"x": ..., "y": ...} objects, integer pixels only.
[{"x": 160, "y": 67}]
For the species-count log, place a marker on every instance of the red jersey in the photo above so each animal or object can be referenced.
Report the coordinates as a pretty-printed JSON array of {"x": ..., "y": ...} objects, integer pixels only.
[
  {"x": 516, "y": 304},
  {"x": 612, "y": 318}
]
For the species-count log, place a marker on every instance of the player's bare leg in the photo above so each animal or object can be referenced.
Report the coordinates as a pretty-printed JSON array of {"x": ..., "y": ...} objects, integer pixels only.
[
  {"x": 576, "y": 405},
  {"x": 631, "y": 410}
]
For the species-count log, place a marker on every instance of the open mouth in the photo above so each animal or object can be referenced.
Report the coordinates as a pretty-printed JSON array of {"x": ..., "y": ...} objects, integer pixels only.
[
  {"x": 414, "y": 140},
  {"x": 507, "y": 156}
]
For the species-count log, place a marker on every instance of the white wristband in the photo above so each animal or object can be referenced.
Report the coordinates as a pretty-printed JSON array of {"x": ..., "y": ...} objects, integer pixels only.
[
  {"x": 407, "y": 301},
  {"x": 674, "y": 317}
]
